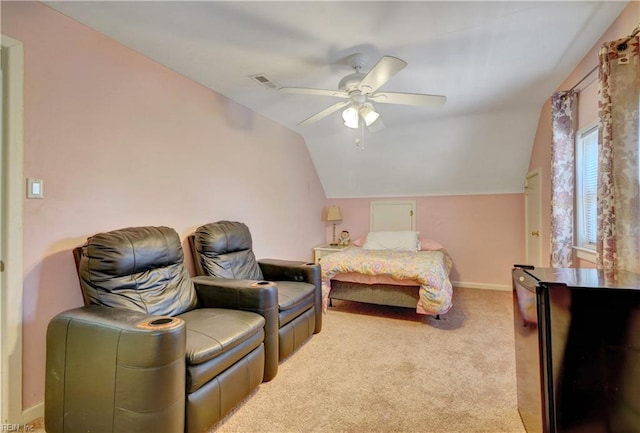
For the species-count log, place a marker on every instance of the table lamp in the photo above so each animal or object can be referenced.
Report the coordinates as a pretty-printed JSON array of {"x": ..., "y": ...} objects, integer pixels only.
[{"x": 333, "y": 216}]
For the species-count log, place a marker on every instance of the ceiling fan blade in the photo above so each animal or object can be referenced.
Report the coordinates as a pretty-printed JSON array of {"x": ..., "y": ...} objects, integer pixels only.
[
  {"x": 324, "y": 113},
  {"x": 408, "y": 99},
  {"x": 386, "y": 68},
  {"x": 315, "y": 92}
]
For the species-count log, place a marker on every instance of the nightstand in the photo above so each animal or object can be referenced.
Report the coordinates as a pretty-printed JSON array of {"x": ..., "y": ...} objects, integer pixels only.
[{"x": 323, "y": 250}]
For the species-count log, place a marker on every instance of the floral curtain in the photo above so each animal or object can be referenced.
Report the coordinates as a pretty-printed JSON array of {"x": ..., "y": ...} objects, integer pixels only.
[
  {"x": 564, "y": 123},
  {"x": 618, "y": 235}
]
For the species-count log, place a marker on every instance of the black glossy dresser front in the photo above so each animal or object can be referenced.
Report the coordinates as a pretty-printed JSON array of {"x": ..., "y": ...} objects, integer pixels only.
[{"x": 589, "y": 351}]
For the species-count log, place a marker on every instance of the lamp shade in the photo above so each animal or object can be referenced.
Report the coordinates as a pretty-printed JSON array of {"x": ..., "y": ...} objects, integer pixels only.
[{"x": 334, "y": 214}]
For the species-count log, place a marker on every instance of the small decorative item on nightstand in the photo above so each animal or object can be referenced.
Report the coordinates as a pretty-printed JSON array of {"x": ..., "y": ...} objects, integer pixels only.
[{"x": 344, "y": 239}]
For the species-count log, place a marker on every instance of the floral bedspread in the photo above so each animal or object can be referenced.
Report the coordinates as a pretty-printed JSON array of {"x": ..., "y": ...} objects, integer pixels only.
[{"x": 430, "y": 269}]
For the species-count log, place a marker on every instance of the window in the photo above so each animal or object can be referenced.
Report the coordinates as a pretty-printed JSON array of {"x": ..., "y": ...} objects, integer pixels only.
[{"x": 587, "y": 187}]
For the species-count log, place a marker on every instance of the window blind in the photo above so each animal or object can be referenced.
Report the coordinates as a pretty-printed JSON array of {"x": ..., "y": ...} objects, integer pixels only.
[{"x": 590, "y": 184}]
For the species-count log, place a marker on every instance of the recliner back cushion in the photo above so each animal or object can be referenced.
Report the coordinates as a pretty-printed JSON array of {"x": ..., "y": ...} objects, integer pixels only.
[
  {"x": 139, "y": 268},
  {"x": 224, "y": 251}
]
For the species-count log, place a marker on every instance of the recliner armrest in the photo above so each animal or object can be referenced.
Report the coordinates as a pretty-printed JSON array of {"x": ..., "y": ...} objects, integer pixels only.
[
  {"x": 290, "y": 270},
  {"x": 133, "y": 362},
  {"x": 249, "y": 295},
  {"x": 119, "y": 318}
]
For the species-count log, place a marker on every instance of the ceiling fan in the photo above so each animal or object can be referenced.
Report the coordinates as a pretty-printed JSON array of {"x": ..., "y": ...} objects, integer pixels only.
[{"x": 359, "y": 89}]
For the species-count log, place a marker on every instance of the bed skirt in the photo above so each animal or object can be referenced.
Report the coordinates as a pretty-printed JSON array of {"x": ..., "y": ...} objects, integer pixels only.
[{"x": 381, "y": 294}]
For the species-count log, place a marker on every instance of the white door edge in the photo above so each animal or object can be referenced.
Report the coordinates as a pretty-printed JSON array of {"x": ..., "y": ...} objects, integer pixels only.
[
  {"x": 527, "y": 238},
  {"x": 12, "y": 230}
]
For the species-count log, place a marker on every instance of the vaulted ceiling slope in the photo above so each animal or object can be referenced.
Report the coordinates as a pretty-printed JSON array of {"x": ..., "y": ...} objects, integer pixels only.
[{"x": 497, "y": 63}]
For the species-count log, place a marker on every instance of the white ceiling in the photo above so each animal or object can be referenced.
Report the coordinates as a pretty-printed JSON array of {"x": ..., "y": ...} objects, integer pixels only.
[{"x": 497, "y": 63}]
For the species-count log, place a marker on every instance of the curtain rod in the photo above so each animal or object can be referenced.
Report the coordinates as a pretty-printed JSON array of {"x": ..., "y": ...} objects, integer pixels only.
[
  {"x": 595, "y": 68},
  {"x": 621, "y": 47}
]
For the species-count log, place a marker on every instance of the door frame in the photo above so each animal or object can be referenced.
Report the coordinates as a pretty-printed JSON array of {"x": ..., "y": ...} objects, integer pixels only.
[
  {"x": 11, "y": 225},
  {"x": 535, "y": 172}
]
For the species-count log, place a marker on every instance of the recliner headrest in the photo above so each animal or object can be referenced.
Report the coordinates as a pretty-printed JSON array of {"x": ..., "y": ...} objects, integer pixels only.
[
  {"x": 133, "y": 250},
  {"x": 223, "y": 249},
  {"x": 223, "y": 237},
  {"x": 138, "y": 268}
]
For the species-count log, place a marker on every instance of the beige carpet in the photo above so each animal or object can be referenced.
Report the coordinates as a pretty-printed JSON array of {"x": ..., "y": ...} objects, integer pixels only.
[{"x": 381, "y": 369}]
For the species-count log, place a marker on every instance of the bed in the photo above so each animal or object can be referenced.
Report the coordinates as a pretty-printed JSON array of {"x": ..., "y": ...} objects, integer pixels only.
[{"x": 387, "y": 271}]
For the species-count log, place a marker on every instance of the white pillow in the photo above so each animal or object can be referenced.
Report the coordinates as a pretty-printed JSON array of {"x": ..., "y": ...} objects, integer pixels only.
[{"x": 392, "y": 240}]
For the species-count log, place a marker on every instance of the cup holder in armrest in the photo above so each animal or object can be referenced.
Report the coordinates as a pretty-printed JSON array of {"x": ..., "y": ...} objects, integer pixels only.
[
  {"x": 262, "y": 284},
  {"x": 159, "y": 323}
]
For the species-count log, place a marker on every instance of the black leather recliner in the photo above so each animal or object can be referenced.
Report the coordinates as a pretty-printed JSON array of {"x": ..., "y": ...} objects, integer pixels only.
[
  {"x": 224, "y": 250},
  {"x": 154, "y": 350}
]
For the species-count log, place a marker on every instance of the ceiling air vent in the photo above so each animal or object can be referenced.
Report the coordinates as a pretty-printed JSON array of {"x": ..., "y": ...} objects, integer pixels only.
[{"x": 263, "y": 80}]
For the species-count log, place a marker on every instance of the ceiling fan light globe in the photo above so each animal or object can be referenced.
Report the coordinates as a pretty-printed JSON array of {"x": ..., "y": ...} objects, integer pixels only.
[
  {"x": 371, "y": 118},
  {"x": 350, "y": 117},
  {"x": 369, "y": 114}
]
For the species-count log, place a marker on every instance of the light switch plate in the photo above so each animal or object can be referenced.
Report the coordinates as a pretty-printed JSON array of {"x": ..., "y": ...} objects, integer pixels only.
[{"x": 35, "y": 188}]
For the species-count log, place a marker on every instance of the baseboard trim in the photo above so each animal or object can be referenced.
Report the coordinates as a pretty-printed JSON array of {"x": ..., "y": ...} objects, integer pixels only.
[
  {"x": 483, "y": 286},
  {"x": 33, "y": 413}
]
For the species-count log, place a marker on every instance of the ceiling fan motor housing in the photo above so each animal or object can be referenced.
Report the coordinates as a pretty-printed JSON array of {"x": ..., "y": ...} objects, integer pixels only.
[{"x": 351, "y": 81}]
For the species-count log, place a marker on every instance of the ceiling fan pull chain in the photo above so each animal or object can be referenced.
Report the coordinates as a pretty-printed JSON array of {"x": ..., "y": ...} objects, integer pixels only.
[{"x": 360, "y": 140}]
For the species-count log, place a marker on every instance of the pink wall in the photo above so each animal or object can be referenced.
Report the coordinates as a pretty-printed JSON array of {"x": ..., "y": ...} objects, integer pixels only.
[
  {"x": 122, "y": 141},
  {"x": 484, "y": 234},
  {"x": 541, "y": 152}
]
